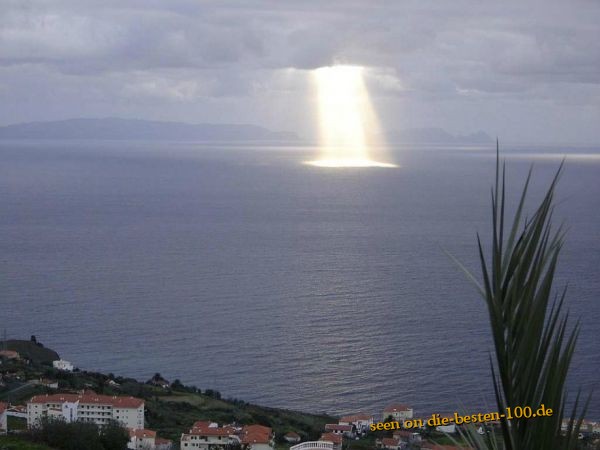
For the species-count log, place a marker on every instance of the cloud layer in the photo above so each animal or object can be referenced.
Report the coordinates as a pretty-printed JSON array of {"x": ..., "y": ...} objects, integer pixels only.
[{"x": 516, "y": 69}]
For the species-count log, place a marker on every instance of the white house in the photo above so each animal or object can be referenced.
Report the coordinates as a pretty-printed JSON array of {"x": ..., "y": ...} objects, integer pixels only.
[
  {"x": 3, "y": 417},
  {"x": 345, "y": 430},
  {"x": 361, "y": 422},
  {"x": 209, "y": 435},
  {"x": 206, "y": 434},
  {"x": 143, "y": 439},
  {"x": 398, "y": 412},
  {"x": 257, "y": 437},
  {"x": 88, "y": 407},
  {"x": 407, "y": 436},
  {"x": 61, "y": 364},
  {"x": 390, "y": 443}
]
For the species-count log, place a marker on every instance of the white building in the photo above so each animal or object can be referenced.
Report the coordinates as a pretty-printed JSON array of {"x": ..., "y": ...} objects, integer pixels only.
[
  {"x": 205, "y": 434},
  {"x": 361, "y": 422},
  {"x": 88, "y": 407},
  {"x": 257, "y": 437},
  {"x": 209, "y": 435},
  {"x": 398, "y": 412},
  {"x": 141, "y": 439},
  {"x": 3, "y": 417},
  {"x": 407, "y": 436},
  {"x": 390, "y": 443},
  {"x": 147, "y": 440},
  {"x": 61, "y": 364},
  {"x": 345, "y": 430}
]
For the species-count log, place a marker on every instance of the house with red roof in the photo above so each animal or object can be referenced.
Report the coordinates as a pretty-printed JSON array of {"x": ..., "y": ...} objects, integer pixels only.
[
  {"x": 144, "y": 439},
  {"x": 9, "y": 354},
  {"x": 407, "y": 436},
  {"x": 87, "y": 406},
  {"x": 162, "y": 444},
  {"x": 205, "y": 434},
  {"x": 336, "y": 439},
  {"x": 398, "y": 411},
  {"x": 257, "y": 437},
  {"x": 360, "y": 422},
  {"x": 390, "y": 443},
  {"x": 345, "y": 430}
]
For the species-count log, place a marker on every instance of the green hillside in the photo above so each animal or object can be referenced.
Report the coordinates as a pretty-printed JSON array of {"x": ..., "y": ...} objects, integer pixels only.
[
  {"x": 170, "y": 411},
  {"x": 33, "y": 351},
  {"x": 18, "y": 443}
]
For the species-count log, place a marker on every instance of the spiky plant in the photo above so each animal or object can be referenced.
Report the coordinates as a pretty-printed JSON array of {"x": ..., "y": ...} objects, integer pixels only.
[{"x": 533, "y": 345}]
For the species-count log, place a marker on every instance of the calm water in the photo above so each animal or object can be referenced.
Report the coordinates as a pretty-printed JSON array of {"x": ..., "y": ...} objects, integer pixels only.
[{"x": 243, "y": 270}]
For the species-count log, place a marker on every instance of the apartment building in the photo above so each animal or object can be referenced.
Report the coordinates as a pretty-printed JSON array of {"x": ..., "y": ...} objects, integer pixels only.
[
  {"x": 87, "y": 406},
  {"x": 205, "y": 434}
]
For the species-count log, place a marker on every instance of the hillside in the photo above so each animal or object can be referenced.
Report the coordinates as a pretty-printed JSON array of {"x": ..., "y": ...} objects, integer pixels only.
[
  {"x": 437, "y": 136},
  {"x": 169, "y": 411},
  {"x": 123, "y": 129},
  {"x": 33, "y": 351}
]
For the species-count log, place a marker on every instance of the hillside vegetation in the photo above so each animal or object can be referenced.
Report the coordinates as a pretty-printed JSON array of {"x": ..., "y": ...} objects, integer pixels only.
[{"x": 169, "y": 410}]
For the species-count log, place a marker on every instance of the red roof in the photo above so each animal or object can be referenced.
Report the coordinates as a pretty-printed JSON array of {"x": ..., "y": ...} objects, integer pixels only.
[
  {"x": 355, "y": 418},
  {"x": 89, "y": 397},
  {"x": 255, "y": 438},
  {"x": 3, "y": 407},
  {"x": 396, "y": 408},
  {"x": 201, "y": 423},
  {"x": 257, "y": 429},
  {"x": 390, "y": 442},
  {"x": 210, "y": 431},
  {"x": 141, "y": 433},
  {"x": 256, "y": 434},
  {"x": 9, "y": 354},
  {"x": 331, "y": 437},
  {"x": 162, "y": 441},
  {"x": 207, "y": 428}
]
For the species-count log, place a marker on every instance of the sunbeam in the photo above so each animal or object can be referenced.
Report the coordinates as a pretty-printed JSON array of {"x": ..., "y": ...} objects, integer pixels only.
[{"x": 346, "y": 119}]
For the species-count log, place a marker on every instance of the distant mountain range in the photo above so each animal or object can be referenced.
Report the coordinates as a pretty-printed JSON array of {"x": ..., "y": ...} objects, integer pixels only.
[
  {"x": 437, "y": 135},
  {"x": 112, "y": 128},
  {"x": 123, "y": 129}
]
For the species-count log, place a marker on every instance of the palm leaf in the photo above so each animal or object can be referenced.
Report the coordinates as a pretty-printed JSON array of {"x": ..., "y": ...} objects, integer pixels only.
[{"x": 533, "y": 344}]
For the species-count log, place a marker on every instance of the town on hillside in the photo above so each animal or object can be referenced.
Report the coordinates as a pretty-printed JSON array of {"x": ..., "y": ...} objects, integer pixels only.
[{"x": 37, "y": 386}]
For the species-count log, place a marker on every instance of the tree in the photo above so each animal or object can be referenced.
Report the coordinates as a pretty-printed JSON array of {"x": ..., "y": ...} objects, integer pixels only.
[
  {"x": 533, "y": 346},
  {"x": 59, "y": 434},
  {"x": 113, "y": 436}
]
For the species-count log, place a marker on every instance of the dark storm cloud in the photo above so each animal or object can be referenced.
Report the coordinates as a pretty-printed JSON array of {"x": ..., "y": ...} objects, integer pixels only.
[{"x": 151, "y": 58}]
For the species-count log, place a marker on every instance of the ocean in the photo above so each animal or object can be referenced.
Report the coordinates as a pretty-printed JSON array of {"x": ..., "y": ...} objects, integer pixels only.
[{"x": 238, "y": 268}]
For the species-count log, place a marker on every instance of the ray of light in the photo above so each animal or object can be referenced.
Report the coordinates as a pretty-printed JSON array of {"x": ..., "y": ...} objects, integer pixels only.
[{"x": 346, "y": 119}]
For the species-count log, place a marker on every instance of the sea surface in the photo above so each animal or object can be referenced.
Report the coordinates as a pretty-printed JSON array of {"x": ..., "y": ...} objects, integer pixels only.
[{"x": 241, "y": 269}]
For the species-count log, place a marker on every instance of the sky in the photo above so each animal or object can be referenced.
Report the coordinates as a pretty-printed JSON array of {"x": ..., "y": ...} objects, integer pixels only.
[{"x": 526, "y": 71}]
